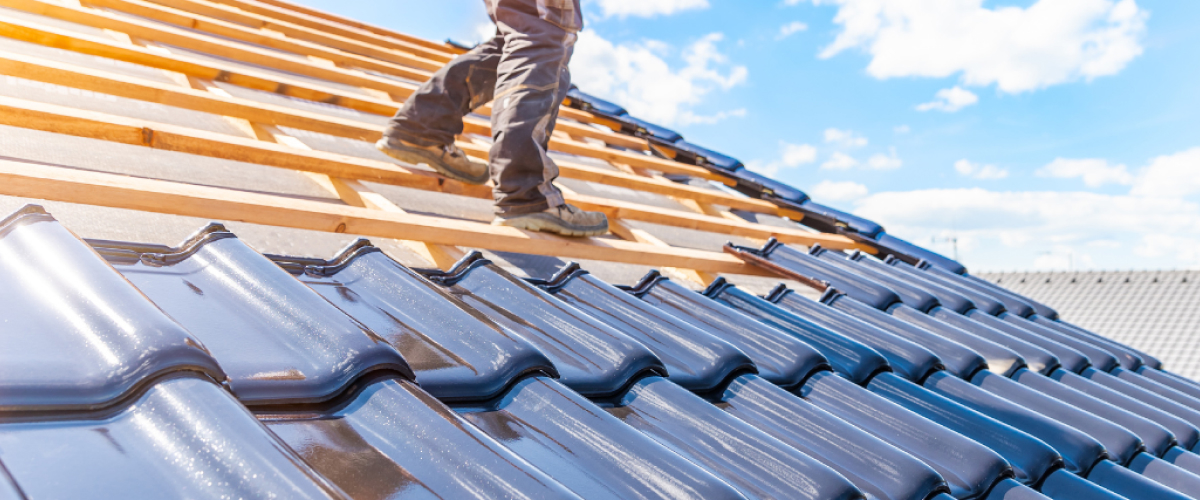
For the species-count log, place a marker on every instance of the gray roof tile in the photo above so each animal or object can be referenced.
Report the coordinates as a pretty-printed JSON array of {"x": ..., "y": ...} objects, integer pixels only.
[{"x": 76, "y": 335}]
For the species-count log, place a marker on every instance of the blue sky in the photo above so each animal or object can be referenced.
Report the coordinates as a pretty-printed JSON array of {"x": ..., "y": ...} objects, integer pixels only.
[{"x": 1041, "y": 134}]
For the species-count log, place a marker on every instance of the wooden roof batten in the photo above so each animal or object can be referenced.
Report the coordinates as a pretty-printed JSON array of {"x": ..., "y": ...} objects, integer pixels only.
[{"x": 337, "y": 52}]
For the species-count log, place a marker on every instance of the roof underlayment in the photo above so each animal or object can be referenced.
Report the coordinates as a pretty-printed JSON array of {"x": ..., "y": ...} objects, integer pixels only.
[{"x": 192, "y": 309}]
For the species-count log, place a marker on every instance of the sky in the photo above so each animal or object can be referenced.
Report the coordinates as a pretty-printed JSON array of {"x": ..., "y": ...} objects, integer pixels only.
[{"x": 1015, "y": 134}]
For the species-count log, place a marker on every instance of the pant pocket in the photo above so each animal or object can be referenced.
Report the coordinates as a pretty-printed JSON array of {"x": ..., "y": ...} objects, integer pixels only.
[{"x": 566, "y": 14}]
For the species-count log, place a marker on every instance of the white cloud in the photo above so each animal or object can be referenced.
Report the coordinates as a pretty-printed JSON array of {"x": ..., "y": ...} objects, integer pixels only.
[
  {"x": 1163, "y": 245},
  {"x": 1176, "y": 175},
  {"x": 791, "y": 156},
  {"x": 638, "y": 76},
  {"x": 1155, "y": 226},
  {"x": 1094, "y": 172},
  {"x": 950, "y": 100},
  {"x": 902, "y": 129},
  {"x": 839, "y": 161},
  {"x": 790, "y": 29},
  {"x": 648, "y": 8},
  {"x": 977, "y": 171},
  {"x": 795, "y": 155},
  {"x": 845, "y": 138},
  {"x": 689, "y": 118},
  {"x": 1011, "y": 230},
  {"x": 882, "y": 161},
  {"x": 1019, "y": 49},
  {"x": 830, "y": 191}
]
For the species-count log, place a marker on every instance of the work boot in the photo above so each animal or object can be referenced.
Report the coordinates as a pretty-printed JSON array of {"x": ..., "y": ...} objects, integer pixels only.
[
  {"x": 447, "y": 160},
  {"x": 566, "y": 220}
]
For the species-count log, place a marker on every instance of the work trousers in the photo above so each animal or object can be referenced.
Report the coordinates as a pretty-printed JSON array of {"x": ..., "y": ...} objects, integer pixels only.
[{"x": 523, "y": 72}]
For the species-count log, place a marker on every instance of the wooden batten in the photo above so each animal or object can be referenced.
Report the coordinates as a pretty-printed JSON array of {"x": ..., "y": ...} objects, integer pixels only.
[
  {"x": 95, "y": 125},
  {"x": 320, "y": 47},
  {"x": 116, "y": 191}
]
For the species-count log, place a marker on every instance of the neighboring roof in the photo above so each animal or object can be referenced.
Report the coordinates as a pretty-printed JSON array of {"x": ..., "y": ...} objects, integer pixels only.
[
  {"x": 732, "y": 338},
  {"x": 1155, "y": 311}
]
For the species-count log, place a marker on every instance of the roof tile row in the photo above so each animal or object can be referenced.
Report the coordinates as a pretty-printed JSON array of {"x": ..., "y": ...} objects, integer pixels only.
[{"x": 208, "y": 369}]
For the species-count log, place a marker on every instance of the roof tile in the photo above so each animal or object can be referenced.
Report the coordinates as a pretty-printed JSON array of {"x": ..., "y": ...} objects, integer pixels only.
[
  {"x": 280, "y": 342},
  {"x": 77, "y": 336}
]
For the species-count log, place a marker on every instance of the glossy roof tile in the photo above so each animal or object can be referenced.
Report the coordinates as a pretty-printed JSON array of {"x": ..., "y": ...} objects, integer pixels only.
[
  {"x": 689, "y": 425},
  {"x": 759, "y": 465},
  {"x": 1128, "y": 483},
  {"x": 1036, "y": 358},
  {"x": 782, "y": 258},
  {"x": 947, "y": 298},
  {"x": 1038, "y": 307},
  {"x": 694, "y": 359},
  {"x": 983, "y": 340},
  {"x": 917, "y": 445},
  {"x": 848, "y": 357},
  {"x": 76, "y": 335},
  {"x": 985, "y": 302},
  {"x": 457, "y": 352},
  {"x": 393, "y": 440},
  {"x": 1079, "y": 451},
  {"x": 997, "y": 358},
  {"x": 1120, "y": 443},
  {"x": 1156, "y": 438},
  {"x": 1171, "y": 380},
  {"x": 1097, "y": 356},
  {"x": 1165, "y": 473},
  {"x": 915, "y": 296},
  {"x": 591, "y": 357},
  {"x": 589, "y": 450},
  {"x": 181, "y": 438},
  {"x": 1069, "y": 358},
  {"x": 968, "y": 467},
  {"x": 862, "y": 289},
  {"x": 1063, "y": 484},
  {"x": 1130, "y": 359},
  {"x": 872, "y": 324},
  {"x": 1143, "y": 310},
  {"x": 348, "y": 418},
  {"x": 1031, "y": 459},
  {"x": 280, "y": 342},
  {"x": 1187, "y": 434},
  {"x": 780, "y": 357},
  {"x": 876, "y": 467},
  {"x": 1000, "y": 358},
  {"x": 1012, "y": 303},
  {"x": 1129, "y": 389}
]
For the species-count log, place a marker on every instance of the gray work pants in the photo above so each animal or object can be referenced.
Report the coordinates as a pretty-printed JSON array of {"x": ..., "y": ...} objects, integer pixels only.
[{"x": 523, "y": 69}]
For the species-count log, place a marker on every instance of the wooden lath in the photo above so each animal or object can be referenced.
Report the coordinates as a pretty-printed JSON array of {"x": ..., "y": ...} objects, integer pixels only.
[
  {"x": 95, "y": 125},
  {"x": 58, "y": 73},
  {"x": 338, "y": 53},
  {"x": 380, "y": 103},
  {"x": 39, "y": 181},
  {"x": 182, "y": 38}
]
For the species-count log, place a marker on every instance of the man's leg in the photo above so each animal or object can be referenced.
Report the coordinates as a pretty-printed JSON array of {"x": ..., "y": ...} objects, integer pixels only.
[
  {"x": 424, "y": 128},
  {"x": 532, "y": 80}
]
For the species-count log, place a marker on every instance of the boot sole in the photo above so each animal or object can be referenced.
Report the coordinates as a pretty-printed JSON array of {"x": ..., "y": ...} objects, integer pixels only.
[
  {"x": 415, "y": 156},
  {"x": 548, "y": 224}
]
